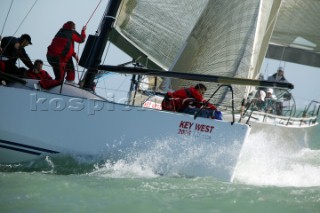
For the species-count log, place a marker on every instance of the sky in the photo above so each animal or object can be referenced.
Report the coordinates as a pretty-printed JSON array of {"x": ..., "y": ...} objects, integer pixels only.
[{"x": 47, "y": 17}]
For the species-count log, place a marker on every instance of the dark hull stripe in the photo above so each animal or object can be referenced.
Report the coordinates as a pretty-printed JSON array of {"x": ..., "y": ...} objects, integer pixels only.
[
  {"x": 20, "y": 150},
  {"x": 27, "y": 146}
]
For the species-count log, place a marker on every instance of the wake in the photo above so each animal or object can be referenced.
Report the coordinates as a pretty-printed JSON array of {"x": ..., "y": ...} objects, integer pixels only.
[{"x": 267, "y": 161}]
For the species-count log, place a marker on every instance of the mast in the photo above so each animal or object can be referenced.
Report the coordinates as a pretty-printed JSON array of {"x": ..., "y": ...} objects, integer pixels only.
[{"x": 98, "y": 45}]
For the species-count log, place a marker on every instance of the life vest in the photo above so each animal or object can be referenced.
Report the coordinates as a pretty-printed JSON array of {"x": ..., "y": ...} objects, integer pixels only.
[
  {"x": 62, "y": 44},
  {"x": 178, "y": 100},
  {"x": 183, "y": 98},
  {"x": 168, "y": 102}
]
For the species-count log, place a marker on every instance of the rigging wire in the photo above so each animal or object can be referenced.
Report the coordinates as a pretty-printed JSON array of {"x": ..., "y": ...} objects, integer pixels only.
[
  {"x": 284, "y": 49},
  {"x": 79, "y": 44},
  {"x": 105, "y": 57},
  {"x": 93, "y": 12},
  {"x": 25, "y": 16},
  {"x": 6, "y": 18},
  {"x": 78, "y": 63}
]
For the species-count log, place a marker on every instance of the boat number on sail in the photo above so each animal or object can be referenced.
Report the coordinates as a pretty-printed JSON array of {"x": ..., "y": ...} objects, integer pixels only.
[{"x": 195, "y": 129}]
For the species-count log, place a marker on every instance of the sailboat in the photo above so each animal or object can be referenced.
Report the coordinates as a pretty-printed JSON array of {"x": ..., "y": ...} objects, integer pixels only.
[{"x": 174, "y": 42}]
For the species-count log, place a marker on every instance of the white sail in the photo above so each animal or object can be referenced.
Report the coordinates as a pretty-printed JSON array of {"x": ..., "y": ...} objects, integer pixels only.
[{"x": 155, "y": 30}]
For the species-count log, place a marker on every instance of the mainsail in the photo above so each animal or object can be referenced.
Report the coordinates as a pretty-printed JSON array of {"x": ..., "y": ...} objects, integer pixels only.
[{"x": 227, "y": 38}]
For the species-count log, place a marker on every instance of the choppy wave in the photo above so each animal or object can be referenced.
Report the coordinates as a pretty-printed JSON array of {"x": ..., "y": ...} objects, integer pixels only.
[
  {"x": 55, "y": 164},
  {"x": 267, "y": 161},
  {"x": 165, "y": 158}
]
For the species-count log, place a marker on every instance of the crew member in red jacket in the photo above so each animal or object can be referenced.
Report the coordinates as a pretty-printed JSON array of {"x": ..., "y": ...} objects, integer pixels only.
[
  {"x": 61, "y": 51},
  {"x": 190, "y": 100},
  {"x": 37, "y": 72}
]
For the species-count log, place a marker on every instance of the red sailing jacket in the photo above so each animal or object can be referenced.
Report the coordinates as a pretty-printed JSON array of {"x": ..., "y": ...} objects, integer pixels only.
[
  {"x": 63, "y": 43},
  {"x": 180, "y": 99},
  {"x": 42, "y": 75}
]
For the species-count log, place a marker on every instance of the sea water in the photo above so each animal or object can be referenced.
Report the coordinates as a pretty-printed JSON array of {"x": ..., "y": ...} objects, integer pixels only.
[{"x": 271, "y": 176}]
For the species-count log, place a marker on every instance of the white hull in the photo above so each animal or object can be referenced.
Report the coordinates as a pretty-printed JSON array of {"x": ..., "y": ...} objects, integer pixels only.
[
  {"x": 297, "y": 137},
  {"x": 282, "y": 128},
  {"x": 35, "y": 123}
]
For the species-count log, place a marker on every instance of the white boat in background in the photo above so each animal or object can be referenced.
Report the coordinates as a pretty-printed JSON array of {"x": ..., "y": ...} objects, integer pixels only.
[
  {"x": 196, "y": 40},
  {"x": 280, "y": 118},
  {"x": 280, "y": 111}
]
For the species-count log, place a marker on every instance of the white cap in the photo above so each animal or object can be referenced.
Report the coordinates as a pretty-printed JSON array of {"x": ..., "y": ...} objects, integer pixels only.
[{"x": 270, "y": 90}]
